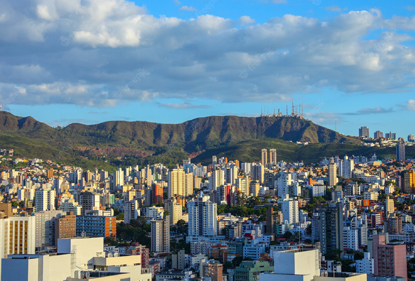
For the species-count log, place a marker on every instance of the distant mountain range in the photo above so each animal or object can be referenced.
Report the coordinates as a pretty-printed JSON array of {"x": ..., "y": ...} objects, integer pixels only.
[{"x": 122, "y": 142}]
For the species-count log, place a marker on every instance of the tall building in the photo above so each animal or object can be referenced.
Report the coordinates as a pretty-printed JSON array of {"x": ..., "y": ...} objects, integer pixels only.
[
  {"x": 364, "y": 132},
  {"x": 175, "y": 210},
  {"x": 157, "y": 194},
  {"x": 391, "y": 136},
  {"x": 378, "y": 135},
  {"x": 366, "y": 265},
  {"x": 284, "y": 181},
  {"x": 45, "y": 228},
  {"x": 131, "y": 211},
  {"x": 44, "y": 200},
  {"x": 409, "y": 182},
  {"x": 179, "y": 260},
  {"x": 212, "y": 270},
  {"x": 89, "y": 201},
  {"x": 389, "y": 207},
  {"x": 346, "y": 167},
  {"x": 17, "y": 235},
  {"x": 290, "y": 210},
  {"x": 394, "y": 224},
  {"x": 273, "y": 156},
  {"x": 390, "y": 259},
  {"x": 188, "y": 182},
  {"x": 117, "y": 179},
  {"x": 160, "y": 235},
  {"x": 327, "y": 226},
  {"x": 217, "y": 179},
  {"x": 202, "y": 216},
  {"x": 400, "y": 151},
  {"x": 264, "y": 157},
  {"x": 65, "y": 227},
  {"x": 176, "y": 184},
  {"x": 257, "y": 172},
  {"x": 332, "y": 173},
  {"x": 411, "y": 138}
]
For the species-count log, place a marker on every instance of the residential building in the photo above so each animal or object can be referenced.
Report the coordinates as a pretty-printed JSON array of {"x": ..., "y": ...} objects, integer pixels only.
[
  {"x": 202, "y": 216},
  {"x": 350, "y": 238},
  {"x": 290, "y": 210},
  {"x": 250, "y": 270},
  {"x": 332, "y": 172},
  {"x": 44, "y": 200},
  {"x": 378, "y": 135},
  {"x": 89, "y": 201},
  {"x": 400, "y": 151},
  {"x": 65, "y": 227},
  {"x": 366, "y": 265},
  {"x": 409, "y": 182},
  {"x": 257, "y": 172},
  {"x": 364, "y": 132},
  {"x": 212, "y": 270},
  {"x": 389, "y": 207},
  {"x": 131, "y": 211},
  {"x": 179, "y": 260},
  {"x": 390, "y": 259},
  {"x": 273, "y": 156},
  {"x": 96, "y": 226},
  {"x": 157, "y": 194},
  {"x": 160, "y": 235},
  {"x": 176, "y": 184},
  {"x": 264, "y": 157},
  {"x": 45, "y": 228}
]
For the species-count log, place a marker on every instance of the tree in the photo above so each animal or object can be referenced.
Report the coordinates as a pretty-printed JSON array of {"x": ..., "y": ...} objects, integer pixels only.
[{"x": 120, "y": 216}]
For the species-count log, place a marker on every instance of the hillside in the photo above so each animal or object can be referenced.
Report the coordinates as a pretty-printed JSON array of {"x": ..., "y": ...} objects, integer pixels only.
[{"x": 145, "y": 140}]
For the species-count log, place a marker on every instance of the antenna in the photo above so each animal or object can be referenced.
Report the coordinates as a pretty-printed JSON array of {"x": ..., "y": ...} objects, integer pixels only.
[
  {"x": 292, "y": 112},
  {"x": 302, "y": 110},
  {"x": 287, "y": 111},
  {"x": 261, "y": 110}
]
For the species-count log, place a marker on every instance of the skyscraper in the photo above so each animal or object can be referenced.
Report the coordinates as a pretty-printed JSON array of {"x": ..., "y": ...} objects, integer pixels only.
[
  {"x": 290, "y": 210},
  {"x": 400, "y": 151},
  {"x": 332, "y": 173},
  {"x": 202, "y": 216},
  {"x": 364, "y": 132},
  {"x": 328, "y": 226},
  {"x": 264, "y": 157},
  {"x": 389, "y": 206},
  {"x": 44, "y": 200},
  {"x": 346, "y": 167},
  {"x": 176, "y": 185},
  {"x": 378, "y": 135},
  {"x": 257, "y": 172},
  {"x": 160, "y": 235},
  {"x": 409, "y": 182},
  {"x": 273, "y": 156}
]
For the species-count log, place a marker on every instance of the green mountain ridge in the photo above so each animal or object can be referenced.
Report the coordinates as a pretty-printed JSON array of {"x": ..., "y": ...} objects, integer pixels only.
[{"x": 235, "y": 137}]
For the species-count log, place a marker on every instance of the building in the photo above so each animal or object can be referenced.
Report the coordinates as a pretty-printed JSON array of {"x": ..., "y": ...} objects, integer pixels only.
[
  {"x": 394, "y": 225},
  {"x": 253, "y": 250},
  {"x": 378, "y": 135},
  {"x": 45, "y": 228},
  {"x": 364, "y": 132},
  {"x": 89, "y": 201},
  {"x": 264, "y": 157},
  {"x": 411, "y": 138},
  {"x": 65, "y": 227},
  {"x": 176, "y": 184},
  {"x": 131, "y": 211},
  {"x": 389, "y": 206},
  {"x": 160, "y": 235},
  {"x": 409, "y": 182},
  {"x": 327, "y": 226},
  {"x": 400, "y": 151},
  {"x": 290, "y": 210},
  {"x": 365, "y": 265},
  {"x": 157, "y": 194},
  {"x": 17, "y": 235},
  {"x": 250, "y": 270},
  {"x": 332, "y": 172},
  {"x": 391, "y": 136},
  {"x": 96, "y": 226},
  {"x": 44, "y": 200},
  {"x": 175, "y": 210},
  {"x": 346, "y": 167},
  {"x": 390, "y": 259},
  {"x": 202, "y": 216},
  {"x": 257, "y": 172},
  {"x": 137, "y": 249},
  {"x": 212, "y": 270},
  {"x": 179, "y": 260},
  {"x": 350, "y": 238},
  {"x": 273, "y": 156}
]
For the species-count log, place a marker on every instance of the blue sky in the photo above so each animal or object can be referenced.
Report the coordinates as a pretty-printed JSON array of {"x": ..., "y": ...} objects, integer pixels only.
[{"x": 350, "y": 63}]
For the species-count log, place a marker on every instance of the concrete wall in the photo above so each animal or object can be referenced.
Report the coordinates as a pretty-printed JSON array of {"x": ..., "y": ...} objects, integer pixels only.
[
  {"x": 85, "y": 248},
  {"x": 291, "y": 262},
  {"x": 359, "y": 277}
]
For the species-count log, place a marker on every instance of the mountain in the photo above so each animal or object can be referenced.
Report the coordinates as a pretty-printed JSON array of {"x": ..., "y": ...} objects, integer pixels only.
[{"x": 145, "y": 140}]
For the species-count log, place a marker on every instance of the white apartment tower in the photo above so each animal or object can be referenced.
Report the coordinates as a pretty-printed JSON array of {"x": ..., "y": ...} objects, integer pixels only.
[
  {"x": 290, "y": 210},
  {"x": 332, "y": 173},
  {"x": 160, "y": 235},
  {"x": 44, "y": 200},
  {"x": 176, "y": 185},
  {"x": 202, "y": 216}
]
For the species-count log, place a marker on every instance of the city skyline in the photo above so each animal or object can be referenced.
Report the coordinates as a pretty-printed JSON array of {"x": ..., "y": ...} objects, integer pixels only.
[{"x": 201, "y": 58}]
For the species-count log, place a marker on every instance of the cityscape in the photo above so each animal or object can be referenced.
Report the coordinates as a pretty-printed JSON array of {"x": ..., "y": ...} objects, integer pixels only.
[{"x": 207, "y": 140}]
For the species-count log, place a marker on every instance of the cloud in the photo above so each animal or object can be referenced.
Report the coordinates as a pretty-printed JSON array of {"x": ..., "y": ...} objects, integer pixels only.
[
  {"x": 324, "y": 118},
  {"x": 177, "y": 2},
  {"x": 410, "y": 105},
  {"x": 101, "y": 53},
  {"x": 188, "y": 9},
  {"x": 410, "y": 8},
  {"x": 245, "y": 20},
  {"x": 183, "y": 105},
  {"x": 376, "y": 110},
  {"x": 98, "y": 112},
  {"x": 334, "y": 9}
]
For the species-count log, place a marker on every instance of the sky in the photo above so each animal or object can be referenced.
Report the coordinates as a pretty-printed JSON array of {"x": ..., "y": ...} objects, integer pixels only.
[{"x": 350, "y": 64}]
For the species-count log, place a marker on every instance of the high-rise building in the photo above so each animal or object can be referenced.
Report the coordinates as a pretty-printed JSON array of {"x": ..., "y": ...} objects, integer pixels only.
[
  {"x": 160, "y": 235},
  {"x": 365, "y": 265},
  {"x": 175, "y": 210},
  {"x": 327, "y": 226},
  {"x": 346, "y": 167},
  {"x": 231, "y": 174},
  {"x": 157, "y": 194},
  {"x": 250, "y": 270},
  {"x": 391, "y": 136},
  {"x": 284, "y": 181},
  {"x": 273, "y": 156},
  {"x": 390, "y": 259},
  {"x": 411, "y": 138},
  {"x": 409, "y": 182},
  {"x": 202, "y": 216},
  {"x": 332, "y": 173},
  {"x": 117, "y": 179},
  {"x": 131, "y": 211},
  {"x": 257, "y": 172},
  {"x": 44, "y": 200},
  {"x": 394, "y": 224},
  {"x": 89, "y": 201},
  {"x": 270, "y": 221},
  {"x": 264, "y": 158},
  {"x": 17, "y": 235},
  {"x": 176, "y": 184},
  {"x": 290, "y": 210},
  {"x": 364, "y": 132},
  {"x": 179, "y": 260},
  {"x": 378, "y": 135},
  {"x": 217, "y": 179},
  {"x": 45, "y": 228},
  {"x": 400, "y": 151},
  {"x": 212, "y": 270},
  {"x": 188, "y": 182},
  {"x": 389, "y": 207},
  {"x": 65, "y": 227}
]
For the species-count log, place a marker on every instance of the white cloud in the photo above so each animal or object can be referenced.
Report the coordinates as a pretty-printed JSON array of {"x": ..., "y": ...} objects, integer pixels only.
[
  {"x": 334, "y": 9},
  {"x": 188, "y": 9},
  {"x": 411, "y": 105},
  {"x": 245, "y": 20},
  {"x": 104, "y": 52}
]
